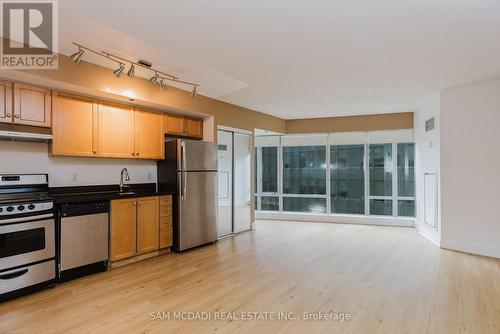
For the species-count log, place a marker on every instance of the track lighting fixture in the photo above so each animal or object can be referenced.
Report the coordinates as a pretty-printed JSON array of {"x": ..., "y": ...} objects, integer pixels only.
[
  {"x": 163, "y": 85},
  {"x": 154, "y": 78},
  {"x": 131, "y": 71},
  {"x": 143, "y": 64},
  {"x": 77, "y": 56},
  {"x": 119, "y": 71}
]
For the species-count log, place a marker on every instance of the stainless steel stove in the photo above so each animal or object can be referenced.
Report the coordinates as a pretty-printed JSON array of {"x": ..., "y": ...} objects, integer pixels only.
[{"x": 27, "y": 234}]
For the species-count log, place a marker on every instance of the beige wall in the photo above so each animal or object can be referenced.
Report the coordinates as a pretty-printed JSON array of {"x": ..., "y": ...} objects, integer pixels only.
[
  {"x": 351, "y": 123},
  {"x": 91, "y": 79}
]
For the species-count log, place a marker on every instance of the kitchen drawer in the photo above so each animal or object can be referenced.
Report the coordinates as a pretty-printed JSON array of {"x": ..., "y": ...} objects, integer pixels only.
[
  {"x": 166, "y": 222},
  {"x": 28, "y": 275},
  {"x": 165, "y": 210},
  {"x": 165, "y": 237},
  {"x": 167, "y": 199}
]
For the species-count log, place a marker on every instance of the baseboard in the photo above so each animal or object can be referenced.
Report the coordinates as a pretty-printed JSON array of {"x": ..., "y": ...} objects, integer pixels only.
[
  {"x": 337, "y": 218},
  {"x": 471, "y": 247},
  {"x": 431, "y": 235}
]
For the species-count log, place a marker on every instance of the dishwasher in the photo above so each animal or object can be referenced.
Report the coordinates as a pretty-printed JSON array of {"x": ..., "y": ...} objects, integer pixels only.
[{"x": 83, "y": 239}]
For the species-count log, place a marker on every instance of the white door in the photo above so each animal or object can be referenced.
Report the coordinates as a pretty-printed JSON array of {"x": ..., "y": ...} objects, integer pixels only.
[
  {"x": 225, "y": 184},
  {"x": 242, "y": 179}
]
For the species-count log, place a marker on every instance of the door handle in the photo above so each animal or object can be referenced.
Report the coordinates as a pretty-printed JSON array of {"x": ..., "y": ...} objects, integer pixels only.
[
  {"x": 183, "y": 156},
  {"x": 14, "y": 274},
  {"x": 184, "y": 191},
  {"x": 16, "y": 116},
  {"x": 9, "y": 115}
]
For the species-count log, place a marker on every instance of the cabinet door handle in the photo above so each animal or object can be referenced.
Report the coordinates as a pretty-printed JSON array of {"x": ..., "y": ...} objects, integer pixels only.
[
  {"x": 16, "y": 116},
  {"x": 139, "y": 203},
  {"x": 9, "y": 115},
  {"x": 135, "y": 203},
  {"x": 133, "y": 153}
]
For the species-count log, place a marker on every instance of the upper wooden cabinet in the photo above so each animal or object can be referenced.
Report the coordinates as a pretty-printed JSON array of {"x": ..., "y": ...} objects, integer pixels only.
[
  {"x": 86, "y": 127},
  {"x": 149, "y": 136},
  {"x": 32, "y": 105},
  {"x": 5, "y": 102},
  {"x": 184, "y": 126},
  {"x": 74, "y": 126},
  {"x": 193, "y": 127},
  {"x": 174, "y": 124},
  {"x": 116, "y": 131}
]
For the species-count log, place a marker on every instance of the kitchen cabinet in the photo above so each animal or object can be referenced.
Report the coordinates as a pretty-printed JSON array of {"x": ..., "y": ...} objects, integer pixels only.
[
  {"x": 193, "y": 127},
  {"x": 5, "y": 102},
  {"x": 32, "y": 105},
  {"x": 88, "y": 127},
  {"x": 149, "y": 136},
  {"x": 147, "y": 224},
  {"x": 123, "y": 228},
  {"x": 184, "y": 126},
  {"x": 165, "y": 221},
  {"x": 174, "y": 124},
  {"x": 116, "y": 131},
  {"x": 134, "y": 227},
  {"x": 74, "y": 126}
]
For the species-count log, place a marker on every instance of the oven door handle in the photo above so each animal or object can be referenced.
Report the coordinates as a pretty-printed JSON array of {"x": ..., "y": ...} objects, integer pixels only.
[
  {"x": 13, "y": 274},
  {"x": 26, "y": 218}
]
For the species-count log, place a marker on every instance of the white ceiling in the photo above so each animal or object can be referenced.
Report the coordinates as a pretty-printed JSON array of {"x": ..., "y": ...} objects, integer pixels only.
[{"x": 300, "y": 58}]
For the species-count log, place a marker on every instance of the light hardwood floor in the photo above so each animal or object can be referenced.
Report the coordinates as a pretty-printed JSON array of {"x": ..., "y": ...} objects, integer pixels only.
[{"x": 390, "y": 279}]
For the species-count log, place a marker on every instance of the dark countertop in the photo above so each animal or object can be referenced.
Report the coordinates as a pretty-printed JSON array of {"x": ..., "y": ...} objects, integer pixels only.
[{"x": 62, "y": 195}]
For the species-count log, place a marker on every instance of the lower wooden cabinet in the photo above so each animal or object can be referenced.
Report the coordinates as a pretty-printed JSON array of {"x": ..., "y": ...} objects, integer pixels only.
[
  {"x": 147, "y": 224},
  {"x": 123, "y": 228},
  {"x": 165, "y": 221},
  {"x": 134, "y": 226}
]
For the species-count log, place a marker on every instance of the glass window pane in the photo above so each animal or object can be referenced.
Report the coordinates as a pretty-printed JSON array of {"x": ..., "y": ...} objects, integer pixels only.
[
  {"x": 381, "y": 207},
  {"x": 406, "y": 169},
  {"x": 270, "y": 203},
  {"x": 304, "y": 204},
  {"x": 304, "y": 170},
  {"x": 270, "y": 169},
  {"x": 347, "y": 179},
  {"x": 406, "y": 208},
  {"x": 380, "y": 166}
]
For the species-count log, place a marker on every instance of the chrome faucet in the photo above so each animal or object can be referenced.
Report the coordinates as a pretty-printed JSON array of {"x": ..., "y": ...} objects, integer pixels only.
[{"x": 127, "y": 178}]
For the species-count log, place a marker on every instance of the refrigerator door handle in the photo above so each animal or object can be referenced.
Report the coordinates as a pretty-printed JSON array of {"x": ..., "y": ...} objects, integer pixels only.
[
  {"x": 184, "y": 190},
  {"x": 183, "y": 156}
]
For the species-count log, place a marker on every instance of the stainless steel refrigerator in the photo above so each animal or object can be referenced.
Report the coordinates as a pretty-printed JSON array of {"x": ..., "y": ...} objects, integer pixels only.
[{"x": 189, "y": 171}]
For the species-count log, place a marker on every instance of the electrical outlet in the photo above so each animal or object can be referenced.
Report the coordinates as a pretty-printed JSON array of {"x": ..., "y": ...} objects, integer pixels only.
[
  {"x": 75, "y": 178},
  {"x": 149, "y": 176}
]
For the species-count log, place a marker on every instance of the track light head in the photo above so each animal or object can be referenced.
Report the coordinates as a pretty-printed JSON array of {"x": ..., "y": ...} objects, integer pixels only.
[
  {"x": 77, "y": 56},
  {"x": 163, "y": 85},
  {"x": 194, "y": 93},
  {"x": 154, "y": 78},
  {"x": 119, "y": 71},
  {"x": 131, "y": 71}
]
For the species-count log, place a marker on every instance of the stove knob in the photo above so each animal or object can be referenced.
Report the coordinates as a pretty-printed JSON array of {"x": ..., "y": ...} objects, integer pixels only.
[
  {"x": 1, "y": 209},
  {"x": 20, "y": 208},
  {"x": 10, "y": 208},
  {"x": 31, "y": 206}
]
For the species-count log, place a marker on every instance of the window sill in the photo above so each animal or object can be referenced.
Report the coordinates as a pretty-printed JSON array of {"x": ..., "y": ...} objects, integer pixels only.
[{"x": 336, "y": 218}]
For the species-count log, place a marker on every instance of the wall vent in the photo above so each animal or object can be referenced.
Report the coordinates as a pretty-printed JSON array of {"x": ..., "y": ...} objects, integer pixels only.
[{"x": 429, "y": 125}]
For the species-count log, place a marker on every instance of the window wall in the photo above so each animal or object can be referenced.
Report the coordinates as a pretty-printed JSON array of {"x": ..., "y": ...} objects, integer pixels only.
[{"x": 368, "y": 173}]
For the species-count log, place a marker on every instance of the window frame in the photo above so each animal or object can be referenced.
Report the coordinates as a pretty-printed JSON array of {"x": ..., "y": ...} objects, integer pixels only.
[{"x": 395, "y": 198}]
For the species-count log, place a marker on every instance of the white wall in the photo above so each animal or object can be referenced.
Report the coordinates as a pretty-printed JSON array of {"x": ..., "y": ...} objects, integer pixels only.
[
  {"x": 32, "y": 157},
  {"x": 427, "y": 161},
  {"x": 470, "y": 161}
]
